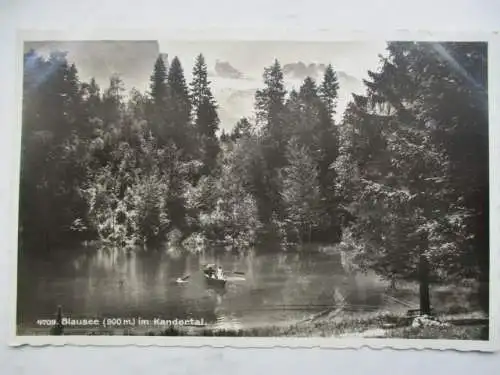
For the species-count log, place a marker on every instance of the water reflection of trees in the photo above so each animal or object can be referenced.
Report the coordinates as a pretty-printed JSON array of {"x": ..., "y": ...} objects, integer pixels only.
[{"x": 283, "y": 283}]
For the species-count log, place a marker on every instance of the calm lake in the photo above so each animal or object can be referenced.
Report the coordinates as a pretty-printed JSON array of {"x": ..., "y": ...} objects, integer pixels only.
[{"x": 261, "y": 289}]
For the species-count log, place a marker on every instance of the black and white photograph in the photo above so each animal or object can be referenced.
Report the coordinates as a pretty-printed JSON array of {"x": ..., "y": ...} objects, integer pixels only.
[{"x": 254, "y": 189}]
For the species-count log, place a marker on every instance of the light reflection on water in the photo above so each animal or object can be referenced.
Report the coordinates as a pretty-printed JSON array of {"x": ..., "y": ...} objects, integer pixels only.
[{"x": 266, "y": 289}]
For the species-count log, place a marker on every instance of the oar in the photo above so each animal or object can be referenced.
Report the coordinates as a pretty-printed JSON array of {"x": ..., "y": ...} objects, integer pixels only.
[{"x": 238, "y": 273}]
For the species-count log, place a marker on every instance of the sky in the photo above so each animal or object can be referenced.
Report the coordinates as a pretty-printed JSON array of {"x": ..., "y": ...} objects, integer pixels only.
[
  {"x": 235, "y": 96},
  {"x": 134, "y": 61},
  {"x": 354, "y": 58}
]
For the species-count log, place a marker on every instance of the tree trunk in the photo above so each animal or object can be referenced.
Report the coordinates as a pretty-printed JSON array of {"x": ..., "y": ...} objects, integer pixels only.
[
  {"x": 425, "y": 303},
  {"x": 393, "y": 283}
]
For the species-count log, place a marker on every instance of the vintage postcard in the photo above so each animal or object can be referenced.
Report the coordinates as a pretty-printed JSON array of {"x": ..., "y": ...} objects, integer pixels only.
[{"x": 257, "y": 191}]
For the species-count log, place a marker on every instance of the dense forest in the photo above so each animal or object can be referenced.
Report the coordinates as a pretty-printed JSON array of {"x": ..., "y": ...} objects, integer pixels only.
[{"x": 401, "y": 183}]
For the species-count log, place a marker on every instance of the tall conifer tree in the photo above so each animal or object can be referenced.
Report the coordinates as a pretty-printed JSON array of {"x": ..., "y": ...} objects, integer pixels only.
[{"x": 205, "y": 113}]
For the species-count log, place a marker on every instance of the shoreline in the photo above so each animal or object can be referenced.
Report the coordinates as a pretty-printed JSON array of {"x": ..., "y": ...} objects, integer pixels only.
[{"x": 472, "y": 326}]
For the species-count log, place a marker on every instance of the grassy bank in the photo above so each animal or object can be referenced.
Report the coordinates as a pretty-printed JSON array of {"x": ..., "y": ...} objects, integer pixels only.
[
  {"x": 381, "y": 326},
  {"x": 374, "y": 325}
]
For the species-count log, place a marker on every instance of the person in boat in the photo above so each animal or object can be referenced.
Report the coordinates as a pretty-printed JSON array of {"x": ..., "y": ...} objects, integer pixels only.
[
  {"x": 219, "y": 274},
  {"x": 210, "y": 271}
]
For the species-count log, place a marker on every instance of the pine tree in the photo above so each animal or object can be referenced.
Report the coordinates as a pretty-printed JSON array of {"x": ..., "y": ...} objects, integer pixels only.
[
  {"x": 309, "y": 121},
  {"x": 308, "y": 91},
  {"x": 200, "y": 85},
  {"x": 179, "y": 109},
  {"x": 269, "y": 106},
  {"x": 207, "y": 124},
  {"x": 308, "y": 116},
  {"x": 157, "y": 108},
  {"x": 158, "y": 83},
  {"x": 410, "y": 216},
  {"x": 326, "y": 139},
  {"x": 459, "y": 116},
  {"x": 328, "y": 90},
  {"x": 205, "y": 112}
]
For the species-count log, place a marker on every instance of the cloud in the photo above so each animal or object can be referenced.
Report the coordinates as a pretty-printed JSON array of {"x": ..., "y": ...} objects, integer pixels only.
[
  {"x": 226, "y": 70},
  {"x": 300, "y": 70}
]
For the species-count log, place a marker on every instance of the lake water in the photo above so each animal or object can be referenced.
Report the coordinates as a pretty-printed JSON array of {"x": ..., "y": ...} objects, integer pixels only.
[{"x": 261, "y": 289}]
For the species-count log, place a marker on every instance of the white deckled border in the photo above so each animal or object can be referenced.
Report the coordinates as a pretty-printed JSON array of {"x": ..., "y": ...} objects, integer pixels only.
[
  {"x": 257, "y": 342},
  {"x": 269, "y": 34}
]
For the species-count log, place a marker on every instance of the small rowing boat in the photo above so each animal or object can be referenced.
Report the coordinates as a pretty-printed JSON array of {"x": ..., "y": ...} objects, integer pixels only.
[
  {"x": 216, "y": 282},
  {"x": 214, "y": 276}
]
